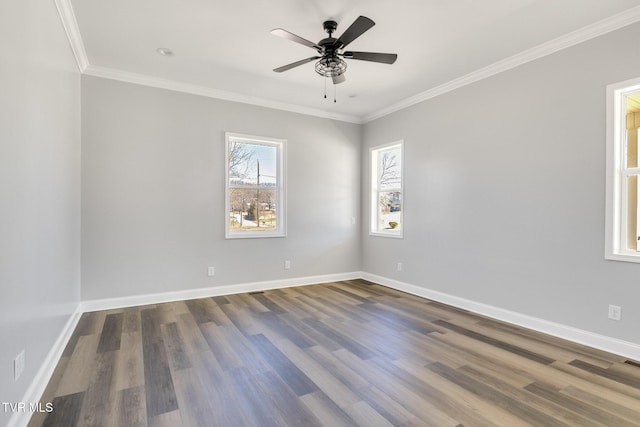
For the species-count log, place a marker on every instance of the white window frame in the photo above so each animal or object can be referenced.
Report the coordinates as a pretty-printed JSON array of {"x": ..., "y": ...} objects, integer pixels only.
[
  {"x": 617, "y": 172},
  {"x": 281, "y": 205},
  {"x": 375, "y": 190}
]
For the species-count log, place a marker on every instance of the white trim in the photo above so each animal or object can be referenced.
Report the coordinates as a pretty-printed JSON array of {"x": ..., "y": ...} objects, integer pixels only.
[
  {"x": 374, "y": 152},
  {"x": 70, "y": 24},
  {"x": 602, "y": 342},
  {"x": 616, "y": 185},
  {"x": 281, "y": 186},
  {"x": 41, "y": 380},
  {"x": 158, "y": 82},
  {"x": 135, "y": 300},
  {"x": 589, "y": 32},
  {"x": 573, "y": 38},
  {"x": 612, "y": 196},
  {"x": 389, "y": 234},
  {"x": 38, "y": 385}
]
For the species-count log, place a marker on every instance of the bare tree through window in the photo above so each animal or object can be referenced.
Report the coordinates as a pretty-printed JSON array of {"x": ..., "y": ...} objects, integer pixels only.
[
  {"x": 240, "y": 155},
  {"x": 390, "y": 173},
  {"x": 386, "y": 209},
  {"x": 254, "y": 187}
]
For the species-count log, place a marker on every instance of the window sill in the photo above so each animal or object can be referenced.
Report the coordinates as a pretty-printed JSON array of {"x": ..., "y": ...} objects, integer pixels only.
[
  {"x": 625, "y": 257},
  {"x": 258, "y": 235},
  {"x": 396, "y": 235}
]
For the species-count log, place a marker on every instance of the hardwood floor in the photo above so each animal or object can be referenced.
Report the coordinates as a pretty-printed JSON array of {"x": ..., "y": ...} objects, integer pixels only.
[{"x": 338, "y": 354}]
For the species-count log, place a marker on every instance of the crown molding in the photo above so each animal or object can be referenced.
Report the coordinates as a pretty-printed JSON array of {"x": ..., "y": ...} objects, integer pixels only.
[
  {"x": 70, "y": 24},
  {"x": 174, "y": 85},
  {"x": 573, "y": 38},
  {"x": 615, "y": 22}
]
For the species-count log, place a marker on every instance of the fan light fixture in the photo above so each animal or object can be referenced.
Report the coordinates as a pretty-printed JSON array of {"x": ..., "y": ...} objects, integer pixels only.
[{"x": 331, "y": 66}]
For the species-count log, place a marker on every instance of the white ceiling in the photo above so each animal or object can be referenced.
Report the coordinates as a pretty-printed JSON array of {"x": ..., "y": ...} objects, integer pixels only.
[{"x": 224, "y": 48}]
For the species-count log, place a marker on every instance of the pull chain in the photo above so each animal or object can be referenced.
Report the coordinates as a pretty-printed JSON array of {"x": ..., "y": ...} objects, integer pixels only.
[{"x": 334, "y": 90}]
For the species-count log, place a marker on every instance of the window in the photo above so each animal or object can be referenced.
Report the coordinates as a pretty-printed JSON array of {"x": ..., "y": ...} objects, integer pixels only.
[
  {"x": 255, "y": 196},
  {"x": 386, "y": 190},
  {"x": 623, "y": 191}
]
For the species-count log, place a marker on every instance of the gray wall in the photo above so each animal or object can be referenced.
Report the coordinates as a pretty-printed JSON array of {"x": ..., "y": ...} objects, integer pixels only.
[
  {"x": 153, "y": 193},
  {"x": 39, "y": 188},
  {"x": 505, "y": 191}
]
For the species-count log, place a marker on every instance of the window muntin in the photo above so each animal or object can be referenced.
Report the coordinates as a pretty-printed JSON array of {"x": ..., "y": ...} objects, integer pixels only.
[
  {"x": 623, "y": 213},
  {"x": 255, "y": 196},
  {"x": 386, "y": 190}
]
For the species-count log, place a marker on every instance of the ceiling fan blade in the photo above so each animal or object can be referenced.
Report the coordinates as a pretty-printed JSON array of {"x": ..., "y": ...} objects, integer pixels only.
[
  {"x": 339, "y": 79},
  {"x": 295, "y": 64},
  {"x": 290, "y": 36},
  {"x": 385, "y": 58},
  {"x": 359, "y": 26}
]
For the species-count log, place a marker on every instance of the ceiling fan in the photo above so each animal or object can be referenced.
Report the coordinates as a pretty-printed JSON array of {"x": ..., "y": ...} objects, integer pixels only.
[{"x": 331, "y": 50}]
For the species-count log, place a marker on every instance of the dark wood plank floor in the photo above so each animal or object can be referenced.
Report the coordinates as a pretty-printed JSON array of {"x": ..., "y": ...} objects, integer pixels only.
[{"x": 339, "y": 354}]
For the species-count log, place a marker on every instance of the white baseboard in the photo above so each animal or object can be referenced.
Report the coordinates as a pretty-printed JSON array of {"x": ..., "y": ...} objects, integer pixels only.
[
  {"x": 41, "y": 380},
  {"x": 612, "y": 345},
  {"x": 134, "y": 300},
  {"x": 38, "y": 385}
]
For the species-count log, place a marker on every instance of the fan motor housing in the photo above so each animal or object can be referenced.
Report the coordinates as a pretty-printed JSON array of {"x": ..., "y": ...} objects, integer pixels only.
[{"x": 327, "y": 43}]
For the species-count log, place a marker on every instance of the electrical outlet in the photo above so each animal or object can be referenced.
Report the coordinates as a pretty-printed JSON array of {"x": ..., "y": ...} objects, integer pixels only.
[
  {"x": 399, "y": 266},
  {"x": 615, "y": 312},
  {"x": 18, "y": 365},
  {"x": 287, "y": 265},
  {"x": 211, "y": 271},
  {"x": 353, "y": 220}
]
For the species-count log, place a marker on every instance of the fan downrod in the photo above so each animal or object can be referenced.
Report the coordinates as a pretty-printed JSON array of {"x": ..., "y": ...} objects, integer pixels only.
[{"x": 330, "y": 26}]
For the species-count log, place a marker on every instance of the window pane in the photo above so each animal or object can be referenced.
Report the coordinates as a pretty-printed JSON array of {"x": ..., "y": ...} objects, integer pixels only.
[
  {"x": 254, "y": 188},
  {"x": 246, "y": 214},
  {"x": 389, "y": 211},
  {"x": 252, "y": 164},
  {"x": 386, "y": 190},
  {"x": 632, "y": 213},
  {"x": 390, "y": 168}
]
